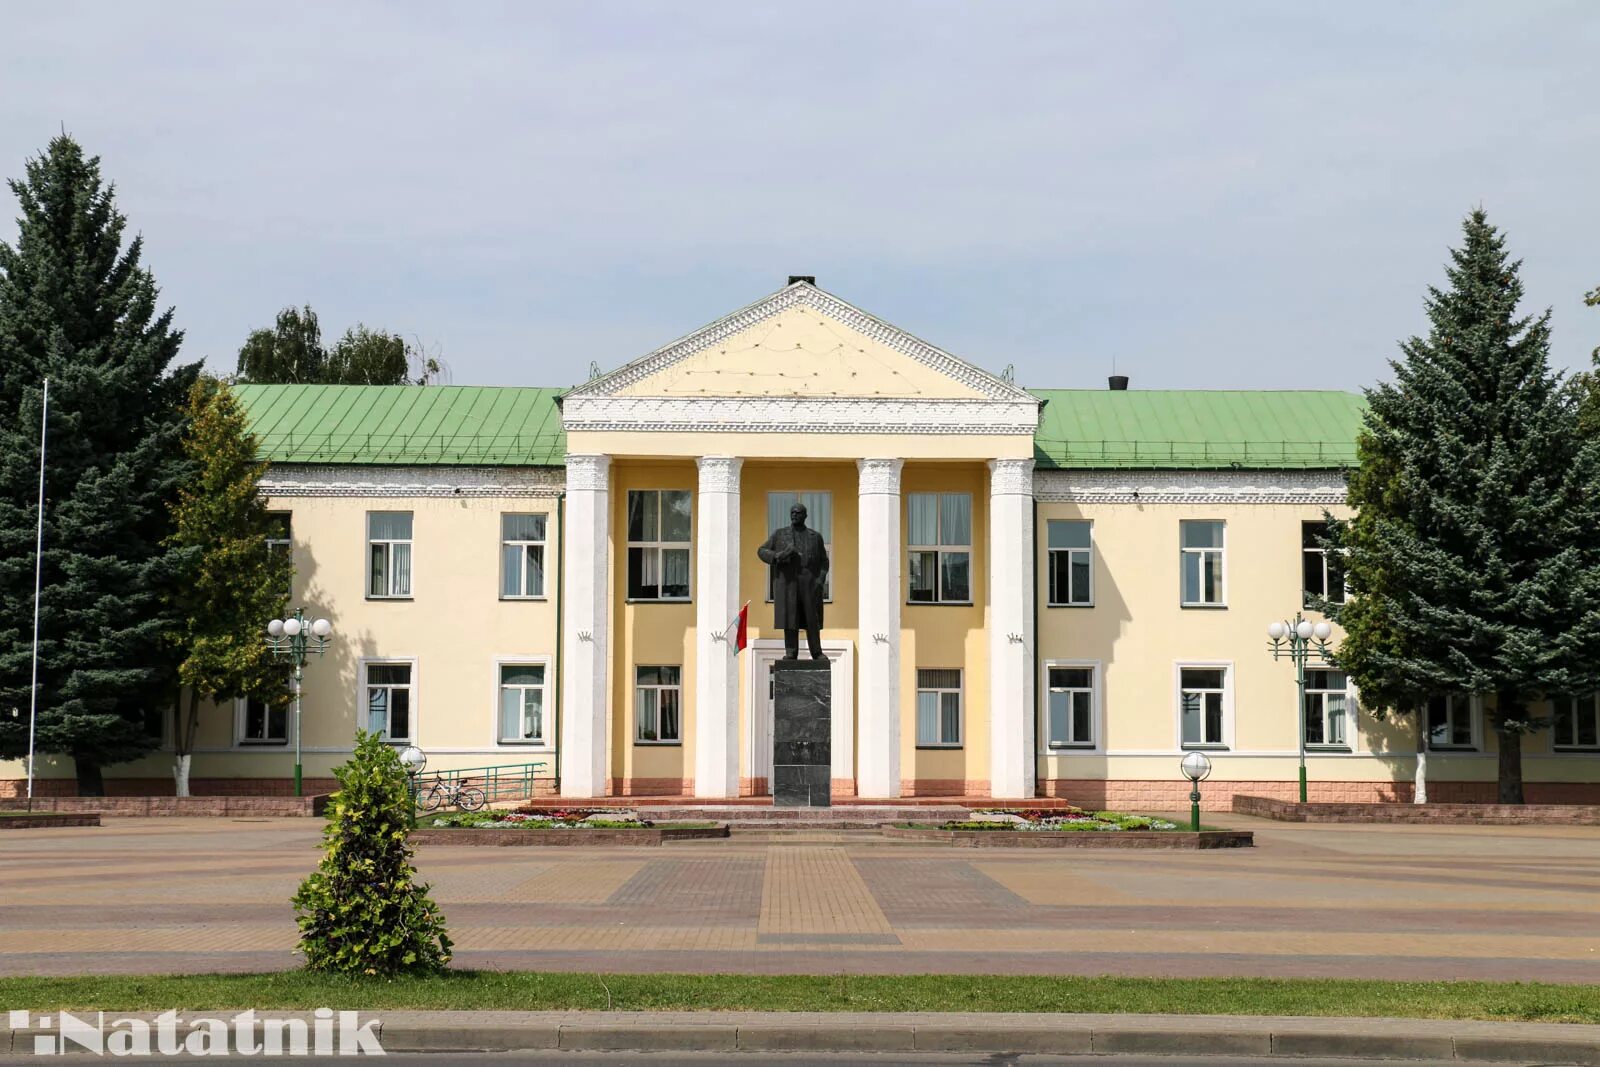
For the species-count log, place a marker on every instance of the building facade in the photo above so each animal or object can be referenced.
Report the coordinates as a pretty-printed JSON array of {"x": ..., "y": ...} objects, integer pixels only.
[{"x": 1033, "y": 593}]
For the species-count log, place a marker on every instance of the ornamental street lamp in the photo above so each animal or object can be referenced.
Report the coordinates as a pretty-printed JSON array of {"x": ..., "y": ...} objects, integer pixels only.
[
  {"x": 292, "y": 639},
  {"x": 1297, "y": 640},
  {"x": 1196, "y": 767},
  {"x": 414, "y": 760}
]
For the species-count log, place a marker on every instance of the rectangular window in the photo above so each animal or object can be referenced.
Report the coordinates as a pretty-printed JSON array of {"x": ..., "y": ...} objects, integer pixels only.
[
  {"x": 657, "y": 696},
  {"x": 1069, "y": 707},
  {"x": 389, "y": 553},
  {"x": 522, "y": 703},
  {"x": 940, "y": 543},
  {"x": 389, "y": 700},
  {"x": 1321, "y": 576},
  {"x": 280, "y": 539},
  {"x": 819, "y": 516},
  {"x": 1450, "y": 721},
  {"x": 521, "y": 556},
  {"x": 658, "y": 544},
  {"x": 1327, "y": 709},
  {"x": 1577, "y": 722},
  {"x": 1071, "y": 562},
  {"x": 1202, "y": 549},
  {"x": 263, "y": 722},
  {"x": 1202, "y": 695},
  {"x": 938, "y": 708}
]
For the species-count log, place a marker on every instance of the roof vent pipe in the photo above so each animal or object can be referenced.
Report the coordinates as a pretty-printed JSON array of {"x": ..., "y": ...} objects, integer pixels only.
[
  {"x": 809, "y": 279},
  {"x": 1119, "y": 383}
]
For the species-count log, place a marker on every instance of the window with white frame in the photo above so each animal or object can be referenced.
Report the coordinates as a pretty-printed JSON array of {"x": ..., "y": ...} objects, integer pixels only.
[
  {"x": 390, "y": 704},
  {"x": 1069, "y": 706},
  {"x": 658, "y": 544},
  {"x": 938, "y": 708},
  {"x": 1577, "y": 722},
  {"x": 263, "y": 722},
  {"x": 389, "y": 554},
  {"x": 1450, "y": 721},
  {"x": 1322, "y": 577},
  {"x": 1327, "y": 709},
  {"x": 1070, "y": 544},
  {"x": 940, "y": 546},
  {"x": 522, "y": 692},
  {"x": 819, "y": 516},
  {"x": 657, "y": 698},
  {"x": 1202, "y": 705},
  {"x": 281, "y": 540},
  {"x": 1202, "y": 561},
  {"x": 521, "y": 556}
]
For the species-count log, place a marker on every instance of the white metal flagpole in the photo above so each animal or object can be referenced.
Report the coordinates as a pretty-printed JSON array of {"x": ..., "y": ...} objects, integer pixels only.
[{"x": 38, "y": 572}]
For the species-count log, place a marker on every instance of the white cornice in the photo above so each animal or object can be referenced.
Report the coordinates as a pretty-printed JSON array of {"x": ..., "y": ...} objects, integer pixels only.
[
  {"x": 803, "y": 294},
  {"x": 309, "y": 480},
  {"x": 732, "y": 414},
  {"x": 1190, "y": 487}
]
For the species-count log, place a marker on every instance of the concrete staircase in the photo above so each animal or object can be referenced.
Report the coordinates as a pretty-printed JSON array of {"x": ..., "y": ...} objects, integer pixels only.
[{"x": 838, "y": 817}]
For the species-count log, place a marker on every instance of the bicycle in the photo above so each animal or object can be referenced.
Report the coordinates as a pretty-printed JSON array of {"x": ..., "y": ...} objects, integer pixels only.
[{"x": 443, "y": 792}]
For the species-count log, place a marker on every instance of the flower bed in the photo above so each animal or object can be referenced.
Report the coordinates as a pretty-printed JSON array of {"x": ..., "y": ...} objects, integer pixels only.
[
  {"x": 571, "y": 826},
  {"x": 1056, "y": 820}
]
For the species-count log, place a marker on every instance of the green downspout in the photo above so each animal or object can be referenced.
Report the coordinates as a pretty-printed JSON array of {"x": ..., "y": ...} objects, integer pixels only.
[{"x": 561, "y": 574}]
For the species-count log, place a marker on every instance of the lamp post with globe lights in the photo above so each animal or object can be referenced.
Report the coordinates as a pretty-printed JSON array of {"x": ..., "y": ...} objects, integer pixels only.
[
  {"x": 414, "y": 760},
  {"x": 1296, "y": 641},
  {"x": 1196, "y": 767},
  {"x": 293, "y": 639}
]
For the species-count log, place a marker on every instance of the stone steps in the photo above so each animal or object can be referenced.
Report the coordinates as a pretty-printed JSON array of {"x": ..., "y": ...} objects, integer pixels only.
[{"x": 862, "y": 816}]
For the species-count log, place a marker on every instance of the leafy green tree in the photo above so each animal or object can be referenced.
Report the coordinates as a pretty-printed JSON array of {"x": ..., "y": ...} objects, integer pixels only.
[
  {"x": 80, "y": 308},
  {"x": 231, "y": 582},
  {"x": 362, "y": 911},
  {"x": 289, "y": 353},
  {"x": 369, "y": 357},
  {"x": 1474, "y": 559}
]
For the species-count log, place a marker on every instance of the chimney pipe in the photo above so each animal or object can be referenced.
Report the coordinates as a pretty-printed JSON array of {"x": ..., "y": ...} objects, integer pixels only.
[
  {"x": 809, "y": 279},
  {"x": 1119, "y": 383}
]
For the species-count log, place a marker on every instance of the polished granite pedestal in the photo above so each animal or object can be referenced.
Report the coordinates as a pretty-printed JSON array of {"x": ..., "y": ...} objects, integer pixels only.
[{"x": 802, "y": 728}]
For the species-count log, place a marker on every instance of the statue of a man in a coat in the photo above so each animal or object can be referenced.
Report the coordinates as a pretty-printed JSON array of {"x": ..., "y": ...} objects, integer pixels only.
[{"x": 799, "y": 575}]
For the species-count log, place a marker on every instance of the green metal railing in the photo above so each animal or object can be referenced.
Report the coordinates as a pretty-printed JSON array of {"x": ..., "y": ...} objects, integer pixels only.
[{"x": 511, "y": 781}]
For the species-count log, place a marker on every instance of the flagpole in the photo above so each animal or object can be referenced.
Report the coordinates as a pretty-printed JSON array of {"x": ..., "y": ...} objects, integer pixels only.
[{"x": 38, "y": 573}]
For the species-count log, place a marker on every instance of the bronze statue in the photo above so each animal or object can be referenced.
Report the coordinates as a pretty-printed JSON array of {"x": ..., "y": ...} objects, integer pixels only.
[{"x": 799, "y": 577}]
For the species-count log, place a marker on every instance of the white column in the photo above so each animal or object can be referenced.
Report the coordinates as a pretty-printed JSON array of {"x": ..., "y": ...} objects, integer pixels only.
[
  {"x": 1011, "y": 594},
  {"x": 878, "y": 706},
  {"x": 585, "y": 608},
  {"x": 716, "y": 596}
]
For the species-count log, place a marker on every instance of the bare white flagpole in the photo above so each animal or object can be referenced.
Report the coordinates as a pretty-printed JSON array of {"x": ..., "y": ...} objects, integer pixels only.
[{"x": 38, "y": 572}]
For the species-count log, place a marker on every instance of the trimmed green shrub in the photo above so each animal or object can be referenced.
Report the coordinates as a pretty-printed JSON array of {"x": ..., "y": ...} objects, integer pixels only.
[{"x": 362, "y": 911}]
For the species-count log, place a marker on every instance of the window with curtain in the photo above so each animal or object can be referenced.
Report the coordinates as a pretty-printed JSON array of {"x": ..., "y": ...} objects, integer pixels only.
[
  {"x": 657, "y": 698},
  {"x": 819, "y": 516},
  {"x": 389, "y": 553},
  {"x": 1202, "y": 548},
  {"x": 522, "y": 556},
  {"x": 1070, "y": 707},
  {"x": 522, "y": 703},
  {"x": 1327, "y": 709},
  {"x": 1577, "y": 722},
  {"x": 1450, "y": 721},
  {"x": 389, "y": 700},
  {"x": 939, "y": 536},
  {"x": 658, "y": 544},
  {"x": 1071, "y": 562},
  {"x": 1202, "y": 701},
  {"x": 938, "y": 708}
]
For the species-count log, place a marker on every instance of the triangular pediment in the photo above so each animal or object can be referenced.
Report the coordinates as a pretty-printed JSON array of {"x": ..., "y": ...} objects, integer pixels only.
[{"x": 802, "y": 343}]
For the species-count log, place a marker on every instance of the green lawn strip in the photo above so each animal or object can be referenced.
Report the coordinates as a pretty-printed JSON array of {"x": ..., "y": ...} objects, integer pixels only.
[{"x": 528, "y": 991}]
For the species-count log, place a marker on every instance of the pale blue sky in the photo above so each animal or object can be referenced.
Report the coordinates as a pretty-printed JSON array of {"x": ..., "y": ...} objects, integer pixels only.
[{"x": 1221, "y": 194}]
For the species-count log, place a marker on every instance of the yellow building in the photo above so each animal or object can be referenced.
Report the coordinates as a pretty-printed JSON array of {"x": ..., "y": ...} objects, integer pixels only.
[{"x": 1045, "y": 593}]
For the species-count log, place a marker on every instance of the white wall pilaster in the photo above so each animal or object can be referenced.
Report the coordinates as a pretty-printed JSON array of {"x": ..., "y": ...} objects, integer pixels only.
[
  {"x": 716, "y": 687},
  {"x": 878, "y": 710},
  {"x": 585, "y": 622},
  {"x": 1011, "y": 593}
]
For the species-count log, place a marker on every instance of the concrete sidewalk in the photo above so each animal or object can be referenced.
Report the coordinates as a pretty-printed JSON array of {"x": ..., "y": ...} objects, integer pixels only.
[{"x": 971, "y": 1032}]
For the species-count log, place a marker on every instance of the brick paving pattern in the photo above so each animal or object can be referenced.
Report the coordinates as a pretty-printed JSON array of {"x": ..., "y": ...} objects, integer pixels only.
[{"x": 143, "y": 895}]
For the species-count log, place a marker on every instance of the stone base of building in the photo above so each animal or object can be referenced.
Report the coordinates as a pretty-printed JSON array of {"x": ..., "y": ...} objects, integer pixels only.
[
  {"x": 200, "y": 787},
  {"x": 1156, "y": 795},
  {"x": 1532, "y": 814}
]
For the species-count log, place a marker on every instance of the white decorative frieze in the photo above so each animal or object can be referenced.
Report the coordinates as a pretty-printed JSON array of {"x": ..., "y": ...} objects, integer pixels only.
[
  {"x": 1010, "y": 477},
  {"x": 727, "y": 414},
  {"x": 1190, "y": 487},
  {"x": 329, "y": 480}
]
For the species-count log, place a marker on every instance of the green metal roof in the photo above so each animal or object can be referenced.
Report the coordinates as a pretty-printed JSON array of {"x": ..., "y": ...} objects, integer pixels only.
[
  {"x": 1078, "y": 428},
  {"x": 1197, "y": 428},
  {"x": 400, "y": 424}
]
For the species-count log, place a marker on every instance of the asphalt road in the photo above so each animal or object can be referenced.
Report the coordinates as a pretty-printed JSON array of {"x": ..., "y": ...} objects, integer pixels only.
[{"x": 672, "y": 1059}]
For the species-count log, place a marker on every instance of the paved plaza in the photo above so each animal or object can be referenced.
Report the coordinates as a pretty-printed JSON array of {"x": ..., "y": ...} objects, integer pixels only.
[{"x": 192, "y": 895}]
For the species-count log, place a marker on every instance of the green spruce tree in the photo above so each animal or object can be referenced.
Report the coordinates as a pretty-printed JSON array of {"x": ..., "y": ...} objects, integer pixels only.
[
  {"x": 231, "y": 582},
  {"x": 1474, "y": 557},
  {"x": 80, "y": 308}
]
